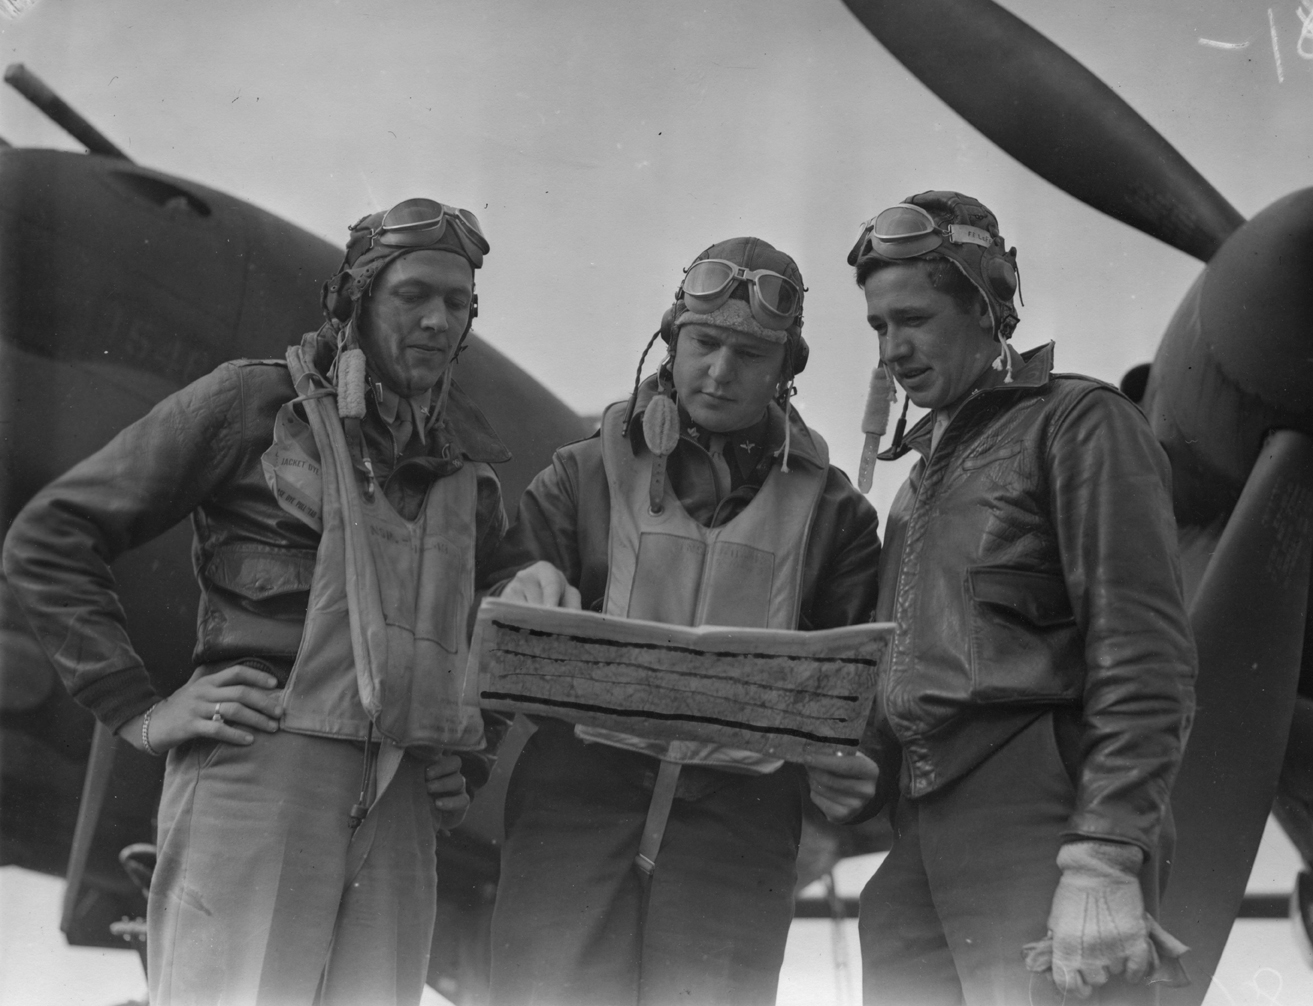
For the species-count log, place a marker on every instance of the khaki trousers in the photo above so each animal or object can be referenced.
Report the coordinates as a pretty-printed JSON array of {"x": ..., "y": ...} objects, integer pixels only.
[{"x": 262, "y": 895}]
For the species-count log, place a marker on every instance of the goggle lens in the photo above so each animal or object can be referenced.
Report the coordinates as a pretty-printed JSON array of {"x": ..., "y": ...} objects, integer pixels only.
[
  {"x": 777, "y": 293},
  {"x": 417, "y": 222},
  {"x": 898, "y": 223},
  {"x": 708, "y": 278},
  {"x": 414, "y": 214}
]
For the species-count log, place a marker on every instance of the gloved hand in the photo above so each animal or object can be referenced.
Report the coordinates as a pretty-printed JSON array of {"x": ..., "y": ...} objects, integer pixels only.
[{"x": 1097, "y": 920}]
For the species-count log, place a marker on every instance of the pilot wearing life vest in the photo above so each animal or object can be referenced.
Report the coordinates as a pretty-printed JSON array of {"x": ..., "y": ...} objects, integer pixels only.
[
  {"x": 646, "y": 871},
  {"x": 343, "y": 505}
]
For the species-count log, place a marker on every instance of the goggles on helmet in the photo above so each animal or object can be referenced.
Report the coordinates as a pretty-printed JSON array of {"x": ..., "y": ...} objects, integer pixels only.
[
  {"x": 907, "y": 231},
  {"x": 420, "y": 223},
  {"x": 775, "y": 300}
]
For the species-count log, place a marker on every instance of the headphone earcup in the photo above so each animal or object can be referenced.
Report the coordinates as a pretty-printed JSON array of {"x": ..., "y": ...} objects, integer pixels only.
[
  {"x": 474, "y": 307},
  {"x": 668, "y": 326},
  {"x": 798, "y": 356},
  {"x": 337, "y": 305},
  {"x": 1001, "y": 275}
]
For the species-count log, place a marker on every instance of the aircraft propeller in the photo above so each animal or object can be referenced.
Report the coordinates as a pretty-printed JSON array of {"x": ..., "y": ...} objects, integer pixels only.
[{"x": 1050, "y": 113}]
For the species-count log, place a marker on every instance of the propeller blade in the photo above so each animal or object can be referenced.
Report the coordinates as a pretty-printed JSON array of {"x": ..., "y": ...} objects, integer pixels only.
[
  {"x": 1248, "y": 616},
  {"x": 1054, "y": 116}
]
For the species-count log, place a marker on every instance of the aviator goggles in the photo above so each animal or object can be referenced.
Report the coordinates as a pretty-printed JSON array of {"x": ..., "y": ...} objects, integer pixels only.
[
  {"x": 775, "y": 300},
  {"x": 420, "y": 223},
  {"x": 907, "y": 231}
]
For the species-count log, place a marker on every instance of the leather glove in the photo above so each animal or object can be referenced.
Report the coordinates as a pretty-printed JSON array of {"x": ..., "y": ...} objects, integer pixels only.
[{"x": 1098, "y": 923}]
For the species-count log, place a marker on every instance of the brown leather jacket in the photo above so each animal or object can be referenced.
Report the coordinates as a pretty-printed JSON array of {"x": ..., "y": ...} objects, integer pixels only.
[{"x": 1030, "y": 564}]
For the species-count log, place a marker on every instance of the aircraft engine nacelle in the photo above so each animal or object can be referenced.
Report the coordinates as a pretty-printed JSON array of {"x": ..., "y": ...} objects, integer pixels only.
[{"x": 1237, "y": 359}]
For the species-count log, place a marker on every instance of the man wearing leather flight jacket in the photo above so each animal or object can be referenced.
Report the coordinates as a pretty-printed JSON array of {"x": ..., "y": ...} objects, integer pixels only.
[
  {"x": 1039, "y": 688},
  {"x": 282, "y": 876}
]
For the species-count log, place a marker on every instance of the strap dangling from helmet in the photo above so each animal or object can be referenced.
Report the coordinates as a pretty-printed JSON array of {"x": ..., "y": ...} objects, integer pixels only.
[
  {"x": 786, "y": 393},
  {"x": 1004, "y": 360}
]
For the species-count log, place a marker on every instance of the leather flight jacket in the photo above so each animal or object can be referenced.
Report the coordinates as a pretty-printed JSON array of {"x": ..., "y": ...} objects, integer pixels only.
[
  {"x": 198, "y": 453},
  {"x": 1030, "y": 564}
]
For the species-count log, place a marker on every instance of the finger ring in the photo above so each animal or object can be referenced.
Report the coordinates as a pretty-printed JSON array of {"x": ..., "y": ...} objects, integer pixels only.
[{"x": 218, "y": 716}]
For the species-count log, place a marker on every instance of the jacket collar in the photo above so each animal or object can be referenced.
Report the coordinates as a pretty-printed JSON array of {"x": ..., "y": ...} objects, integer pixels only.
[
  {"x": 802, "y": 444},
  {"x": 1030, "y": 370},
  {"x": 471, "y": 431}
]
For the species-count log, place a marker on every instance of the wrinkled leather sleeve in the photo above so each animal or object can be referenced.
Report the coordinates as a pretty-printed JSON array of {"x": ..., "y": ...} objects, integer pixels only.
[
  {"x": 1112, "y": 511},
  {"x": 58, "y": 552},
  {"x": 565, "y": 518}
]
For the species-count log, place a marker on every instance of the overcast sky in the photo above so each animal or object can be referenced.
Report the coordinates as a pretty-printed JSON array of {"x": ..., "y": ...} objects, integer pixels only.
[{"x": 604, "y": 144}]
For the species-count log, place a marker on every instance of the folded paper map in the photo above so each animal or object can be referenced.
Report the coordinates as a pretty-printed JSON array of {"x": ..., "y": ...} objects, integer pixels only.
[{"x": 772, "y": 691}]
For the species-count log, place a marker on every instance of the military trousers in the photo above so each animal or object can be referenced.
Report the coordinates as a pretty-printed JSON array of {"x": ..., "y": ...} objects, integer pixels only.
[
  {"x": 575, "y": 922},
  {"x": 262, "y": 893},
  {"x": 970, "y": 880}
]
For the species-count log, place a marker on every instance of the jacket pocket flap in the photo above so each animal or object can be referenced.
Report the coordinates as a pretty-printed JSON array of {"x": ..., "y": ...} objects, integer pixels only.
[
  {"x": 258, "y": 573},
  {"x": 989, "y": 453},
  {"x": 1040, "y": 598}
]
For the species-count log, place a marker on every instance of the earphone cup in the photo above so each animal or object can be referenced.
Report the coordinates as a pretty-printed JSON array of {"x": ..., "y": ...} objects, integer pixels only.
[
  {"x": 474, "y": 307},
  {"x": 1001, "y": 276},
  {"x": 798, "y": 355},
  {"x": 337, "y": 305},
  {"x": 668, "y": 326}
]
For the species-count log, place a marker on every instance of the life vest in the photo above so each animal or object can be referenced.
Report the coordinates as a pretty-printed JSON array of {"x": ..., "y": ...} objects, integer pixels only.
[
  {"x": 385, "y": 631},
  {"x": 666, "y": 567}
]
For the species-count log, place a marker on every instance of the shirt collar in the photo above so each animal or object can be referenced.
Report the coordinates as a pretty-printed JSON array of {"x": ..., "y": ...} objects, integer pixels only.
[
  {"x": 389, "y": 403},
  {"x": 470, "y": 429}
]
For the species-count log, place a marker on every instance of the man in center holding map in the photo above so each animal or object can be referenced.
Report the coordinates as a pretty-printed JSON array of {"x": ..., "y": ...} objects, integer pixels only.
[{"x": 646, "y": 871}]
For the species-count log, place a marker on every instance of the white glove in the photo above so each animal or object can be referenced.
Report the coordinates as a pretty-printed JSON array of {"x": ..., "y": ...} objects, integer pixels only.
[{"x": 1098, "y": 926}]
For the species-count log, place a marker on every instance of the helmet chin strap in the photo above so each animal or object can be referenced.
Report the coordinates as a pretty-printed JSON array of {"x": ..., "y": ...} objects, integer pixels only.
[{"x": 786, "y": 393}]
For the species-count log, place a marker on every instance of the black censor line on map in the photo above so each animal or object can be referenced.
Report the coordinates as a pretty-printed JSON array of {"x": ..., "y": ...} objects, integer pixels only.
[
  {"x": 591, "y": 641},
  {"x": 635, "y": 714}
]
